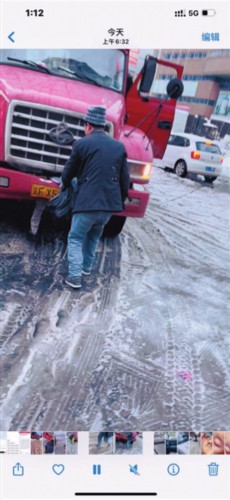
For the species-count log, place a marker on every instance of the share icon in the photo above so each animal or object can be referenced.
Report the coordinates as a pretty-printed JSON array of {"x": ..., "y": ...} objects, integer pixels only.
[{"x": 134, "y": 469}]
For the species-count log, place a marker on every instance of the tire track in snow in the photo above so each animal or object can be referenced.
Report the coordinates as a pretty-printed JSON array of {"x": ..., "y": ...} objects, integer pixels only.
[{"x": 49, "y": 374}]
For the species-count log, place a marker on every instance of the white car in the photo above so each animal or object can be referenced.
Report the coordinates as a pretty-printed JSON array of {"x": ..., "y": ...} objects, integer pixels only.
[{"x": 191, "y": 153}]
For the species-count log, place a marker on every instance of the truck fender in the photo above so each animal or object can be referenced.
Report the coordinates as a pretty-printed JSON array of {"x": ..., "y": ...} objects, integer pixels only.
[{"x": 137, "y": 144}]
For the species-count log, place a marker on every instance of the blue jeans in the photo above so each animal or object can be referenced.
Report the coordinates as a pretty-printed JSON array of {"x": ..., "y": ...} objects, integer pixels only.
[{"x": 85, "y": 232}]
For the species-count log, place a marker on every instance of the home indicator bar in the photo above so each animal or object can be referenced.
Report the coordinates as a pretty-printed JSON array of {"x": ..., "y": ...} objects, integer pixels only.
[{"x": 116, "y": 494}]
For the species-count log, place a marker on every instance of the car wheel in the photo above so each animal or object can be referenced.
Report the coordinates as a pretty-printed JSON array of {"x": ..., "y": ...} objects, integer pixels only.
[
  {"x": 180, "y": 168},
  {"x": 209, "y": 179}
]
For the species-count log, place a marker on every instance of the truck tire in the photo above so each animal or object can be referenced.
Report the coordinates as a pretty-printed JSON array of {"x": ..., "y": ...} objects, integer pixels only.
[
  {"x": 114, "y": 226},
  {"x": 209, "y": 179}
]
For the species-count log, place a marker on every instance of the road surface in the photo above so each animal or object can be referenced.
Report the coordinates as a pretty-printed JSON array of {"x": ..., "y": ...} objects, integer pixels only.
[{"x": 144, "y": 344}]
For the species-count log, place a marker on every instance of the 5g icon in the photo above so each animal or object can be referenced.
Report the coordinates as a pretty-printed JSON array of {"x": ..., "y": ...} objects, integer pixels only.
[{"x": 193, "y": 12}]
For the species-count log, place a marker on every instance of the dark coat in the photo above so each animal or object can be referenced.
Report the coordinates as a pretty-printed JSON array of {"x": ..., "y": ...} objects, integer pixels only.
[{"x": 100, "y": 165}]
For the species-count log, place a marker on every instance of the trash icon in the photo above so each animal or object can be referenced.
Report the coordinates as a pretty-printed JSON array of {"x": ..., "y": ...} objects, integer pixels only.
[{"x": 213, "y": 469}]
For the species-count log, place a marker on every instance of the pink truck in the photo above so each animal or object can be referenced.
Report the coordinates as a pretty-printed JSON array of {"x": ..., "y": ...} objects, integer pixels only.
[{"x": 45, "y": 91}]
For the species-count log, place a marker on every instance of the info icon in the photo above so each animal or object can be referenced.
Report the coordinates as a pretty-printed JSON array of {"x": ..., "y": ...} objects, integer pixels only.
[{"x": 173, "y": 469}]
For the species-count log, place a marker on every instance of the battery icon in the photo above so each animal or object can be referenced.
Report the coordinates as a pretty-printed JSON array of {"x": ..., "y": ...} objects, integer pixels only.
[{"x": 209, "y": 12}]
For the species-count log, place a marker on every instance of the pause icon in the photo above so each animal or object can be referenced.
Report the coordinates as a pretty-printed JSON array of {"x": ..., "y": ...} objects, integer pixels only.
[{"x": 96, "y": 469}]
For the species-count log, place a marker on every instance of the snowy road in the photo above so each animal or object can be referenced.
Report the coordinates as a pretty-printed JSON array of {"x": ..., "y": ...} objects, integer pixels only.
[{"x": 145, "y": 344}]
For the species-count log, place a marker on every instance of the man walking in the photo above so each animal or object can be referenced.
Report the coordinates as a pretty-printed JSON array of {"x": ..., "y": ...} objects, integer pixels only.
[{"x": 100, "y": 165}]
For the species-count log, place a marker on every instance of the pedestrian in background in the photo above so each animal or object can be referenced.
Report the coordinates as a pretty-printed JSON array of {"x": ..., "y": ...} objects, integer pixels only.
[{"x": 100, "y": 165}]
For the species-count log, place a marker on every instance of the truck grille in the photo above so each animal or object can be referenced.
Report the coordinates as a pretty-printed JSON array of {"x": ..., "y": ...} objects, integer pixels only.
[{"x": 28, "y": 140}]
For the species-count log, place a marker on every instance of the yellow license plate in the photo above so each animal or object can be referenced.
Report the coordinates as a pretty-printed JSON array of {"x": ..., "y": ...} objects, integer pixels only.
[{"x": 48, "y": 192}]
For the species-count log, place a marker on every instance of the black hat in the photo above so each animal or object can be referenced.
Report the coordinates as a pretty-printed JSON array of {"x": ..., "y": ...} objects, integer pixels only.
[{"x": 96, "y": 116}]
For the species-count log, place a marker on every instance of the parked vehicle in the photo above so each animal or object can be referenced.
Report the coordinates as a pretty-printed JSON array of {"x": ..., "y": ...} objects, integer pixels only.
[
  {"x": 187, "y": 153},
  {"x": 44, "y": 95}
]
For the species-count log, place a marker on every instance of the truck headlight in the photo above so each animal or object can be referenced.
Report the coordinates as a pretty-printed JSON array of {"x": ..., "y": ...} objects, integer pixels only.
[
  {"x": 139, "y": 171},
  {"x": 4, "y": 181}
]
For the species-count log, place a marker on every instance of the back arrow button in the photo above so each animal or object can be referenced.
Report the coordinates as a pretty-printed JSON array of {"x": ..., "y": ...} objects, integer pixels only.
[{"x": 11, "y": 36}]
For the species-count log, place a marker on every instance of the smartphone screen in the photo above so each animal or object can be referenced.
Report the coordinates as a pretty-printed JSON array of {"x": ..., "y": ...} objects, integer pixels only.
[{"x": 114, "y": 201}]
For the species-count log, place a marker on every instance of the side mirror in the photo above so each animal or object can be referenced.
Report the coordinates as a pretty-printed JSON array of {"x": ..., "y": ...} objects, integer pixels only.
[
  {"x": 175, "y": 88},
  {"x": 149, "y": 71}
]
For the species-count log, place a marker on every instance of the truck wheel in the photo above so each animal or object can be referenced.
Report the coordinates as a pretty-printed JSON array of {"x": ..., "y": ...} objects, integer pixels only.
[
  {"x": 180, "y": 168},
  {"x": 114, "y": 226},
  {"x": 209, "y": 179}
]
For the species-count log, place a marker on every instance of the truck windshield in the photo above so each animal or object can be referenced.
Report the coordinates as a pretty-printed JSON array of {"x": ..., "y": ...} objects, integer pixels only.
[{"x": 96, "y": 66}]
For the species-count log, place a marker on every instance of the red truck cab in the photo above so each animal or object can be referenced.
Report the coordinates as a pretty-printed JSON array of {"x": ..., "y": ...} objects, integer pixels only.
[{"x": 43, "y": 90}]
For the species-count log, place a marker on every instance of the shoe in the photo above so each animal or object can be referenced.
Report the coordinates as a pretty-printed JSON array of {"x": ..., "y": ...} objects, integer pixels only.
[
  {"x": 32, "y": 237},
  {"x": 86, "y": 272},
  {"x": 74, "y": 281}
]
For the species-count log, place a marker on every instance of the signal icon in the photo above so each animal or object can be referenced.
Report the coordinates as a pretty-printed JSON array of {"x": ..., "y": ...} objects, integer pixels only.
[{"x": 180, "y": 13}]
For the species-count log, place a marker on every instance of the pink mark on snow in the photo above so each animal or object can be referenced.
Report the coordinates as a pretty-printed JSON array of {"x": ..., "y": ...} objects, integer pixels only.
[{"x": 184, "y": 375}]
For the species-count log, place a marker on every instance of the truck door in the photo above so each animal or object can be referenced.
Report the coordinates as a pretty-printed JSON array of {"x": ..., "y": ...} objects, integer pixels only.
[{"x": 152, "y": 114}]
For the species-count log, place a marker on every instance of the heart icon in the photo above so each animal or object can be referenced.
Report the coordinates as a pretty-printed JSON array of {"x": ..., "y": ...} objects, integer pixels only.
[{"x": 58, "y": 469}]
